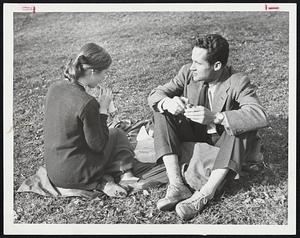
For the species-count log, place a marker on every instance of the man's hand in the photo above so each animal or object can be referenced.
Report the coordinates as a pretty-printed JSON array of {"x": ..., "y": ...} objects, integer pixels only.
[
  {"x": 173, "y": 105},
  {"x": 200, "y": 115}
]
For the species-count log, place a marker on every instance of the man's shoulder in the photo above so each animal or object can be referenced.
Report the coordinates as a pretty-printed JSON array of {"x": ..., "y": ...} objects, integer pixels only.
[
  {"x": 185, "y": 72},
  {"x": 236, "y": 77},
  {"x": 186, "y": 68}
]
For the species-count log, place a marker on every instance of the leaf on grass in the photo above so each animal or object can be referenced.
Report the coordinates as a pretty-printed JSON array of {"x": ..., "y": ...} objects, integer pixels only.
[
  {"x": 145, "y": 193},
  {"x": 247, "y": 201},
  {"x": 150, "y": 213},
  {"x": 76, "y": 201},
  {"x": 258, "y": 200},
  {"x": 279, "y": 198}
]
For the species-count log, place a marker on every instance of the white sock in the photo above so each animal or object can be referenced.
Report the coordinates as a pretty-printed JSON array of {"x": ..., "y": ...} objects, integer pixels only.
[
  {"x": 216, "y": 178},
  {"x": 173, "y": 169}
]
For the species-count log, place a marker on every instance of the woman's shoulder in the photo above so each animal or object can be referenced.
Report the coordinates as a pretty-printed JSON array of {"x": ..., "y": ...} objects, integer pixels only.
[
  {"x": 71, "y": 91},
  {"x": 58, "y": 85}
]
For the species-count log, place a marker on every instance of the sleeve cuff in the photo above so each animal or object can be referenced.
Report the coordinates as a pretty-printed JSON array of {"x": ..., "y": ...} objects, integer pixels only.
[
  {"x": 226, "y": 124},
  {"x": 225, "y": 121},
  {"x": 159, "y": 105}
]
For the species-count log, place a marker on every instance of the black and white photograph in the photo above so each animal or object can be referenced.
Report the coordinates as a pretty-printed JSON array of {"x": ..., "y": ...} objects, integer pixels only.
[{"x": 135, "y": 118}]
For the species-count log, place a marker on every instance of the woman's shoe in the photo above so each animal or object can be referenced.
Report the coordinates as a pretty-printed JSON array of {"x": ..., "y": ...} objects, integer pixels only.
[{"x": 110, "y": 188}]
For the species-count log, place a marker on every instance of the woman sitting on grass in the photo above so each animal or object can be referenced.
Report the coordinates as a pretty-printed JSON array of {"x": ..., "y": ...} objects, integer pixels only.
[{"x": 80, "y": 151}]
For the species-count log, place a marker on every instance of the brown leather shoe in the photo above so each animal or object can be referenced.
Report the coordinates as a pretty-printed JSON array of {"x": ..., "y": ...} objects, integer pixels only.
[
  {"x": 189, "y": 208},
  {"x": 175, "y": 194}
]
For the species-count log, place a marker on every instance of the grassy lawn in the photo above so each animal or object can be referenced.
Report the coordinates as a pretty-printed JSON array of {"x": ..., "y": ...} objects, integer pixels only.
[{"x": 148, "y": 49}]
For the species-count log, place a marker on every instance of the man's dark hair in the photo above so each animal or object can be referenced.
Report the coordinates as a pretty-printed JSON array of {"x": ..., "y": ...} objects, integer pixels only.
[{"x": 217, "y": 47}]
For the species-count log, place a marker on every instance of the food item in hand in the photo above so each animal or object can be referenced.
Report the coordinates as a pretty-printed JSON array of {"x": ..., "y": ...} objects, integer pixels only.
[
  {"x": 186, "y": 102},
  {"x": 95, "y": 92},
  {"x": 189, "y": 105}
]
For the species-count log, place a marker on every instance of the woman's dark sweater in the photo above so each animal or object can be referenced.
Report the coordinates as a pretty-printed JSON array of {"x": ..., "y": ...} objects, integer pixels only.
[{"x": 75, "y": 137}]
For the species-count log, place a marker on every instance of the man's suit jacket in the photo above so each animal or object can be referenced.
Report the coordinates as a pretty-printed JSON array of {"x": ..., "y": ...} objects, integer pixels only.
[{"x": 234, "y": 95}]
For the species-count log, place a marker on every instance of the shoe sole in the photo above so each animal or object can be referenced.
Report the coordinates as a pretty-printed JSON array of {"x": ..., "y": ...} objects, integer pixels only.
[
  {"x": 169, "y": 206},
  {"x": 184, "y": 217}
]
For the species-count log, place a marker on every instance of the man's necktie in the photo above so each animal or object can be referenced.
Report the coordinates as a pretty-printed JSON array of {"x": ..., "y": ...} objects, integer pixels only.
[
  {"x": 204, "y": 101},
  {"x": 201, "y": 129},
  {"x": 203, "y": 98}
]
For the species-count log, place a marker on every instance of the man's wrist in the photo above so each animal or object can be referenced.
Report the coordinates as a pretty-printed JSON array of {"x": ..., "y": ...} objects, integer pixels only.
[{"x": 219, "y": 117}]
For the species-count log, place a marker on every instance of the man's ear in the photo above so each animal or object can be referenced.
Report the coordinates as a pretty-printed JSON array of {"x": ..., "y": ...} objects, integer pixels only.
[{"x": 217, "y": 65}]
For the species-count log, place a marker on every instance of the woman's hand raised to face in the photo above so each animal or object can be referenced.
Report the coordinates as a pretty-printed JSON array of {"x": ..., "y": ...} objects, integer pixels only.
[{"x": 104, "y": 99}]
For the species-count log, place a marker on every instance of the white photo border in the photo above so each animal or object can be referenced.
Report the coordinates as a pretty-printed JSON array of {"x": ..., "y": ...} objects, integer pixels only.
[{"x": 122, "y": 229}]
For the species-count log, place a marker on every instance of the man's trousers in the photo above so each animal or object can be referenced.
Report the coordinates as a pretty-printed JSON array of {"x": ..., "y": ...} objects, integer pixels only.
[{"x": 170, "y": 131}]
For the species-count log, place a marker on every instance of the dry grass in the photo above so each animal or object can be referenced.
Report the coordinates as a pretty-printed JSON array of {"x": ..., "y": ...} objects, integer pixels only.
[{"x": 148, "y": 49}]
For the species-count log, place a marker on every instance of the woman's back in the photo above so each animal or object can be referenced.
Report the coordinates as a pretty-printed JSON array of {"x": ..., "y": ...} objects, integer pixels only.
[
  {"x": 66, "y": 148},
  {"x": 64, "y": 104}
]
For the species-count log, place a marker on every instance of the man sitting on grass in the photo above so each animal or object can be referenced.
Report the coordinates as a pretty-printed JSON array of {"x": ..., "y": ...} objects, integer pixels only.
[{"x": 206, "y": 102}]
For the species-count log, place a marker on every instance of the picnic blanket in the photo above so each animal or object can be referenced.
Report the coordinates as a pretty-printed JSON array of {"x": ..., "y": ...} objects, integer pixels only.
[{"x": 197, "y": 162}]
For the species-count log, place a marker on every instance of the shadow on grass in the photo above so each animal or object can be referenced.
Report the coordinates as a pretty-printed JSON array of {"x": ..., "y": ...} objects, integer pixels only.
[{"x": 275, "y": 169}]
